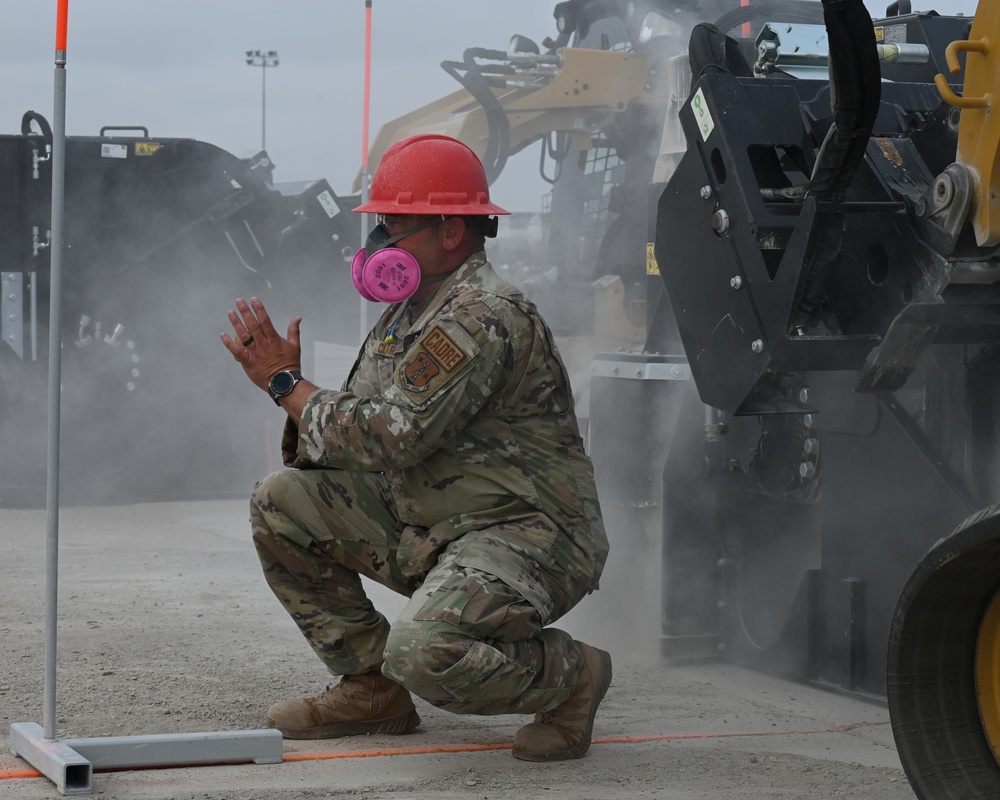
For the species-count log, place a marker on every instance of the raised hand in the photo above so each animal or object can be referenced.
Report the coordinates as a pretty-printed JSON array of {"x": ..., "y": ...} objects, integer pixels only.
[{"x": 257, "y": 346}]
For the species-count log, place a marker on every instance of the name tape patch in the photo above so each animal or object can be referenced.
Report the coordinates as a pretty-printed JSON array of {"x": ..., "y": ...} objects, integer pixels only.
[{"x": 443, "y": 348}]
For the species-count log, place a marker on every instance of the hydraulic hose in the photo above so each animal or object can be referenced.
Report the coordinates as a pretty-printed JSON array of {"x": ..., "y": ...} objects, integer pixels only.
[
  {"x": 43, "y": 124},
  {"x": 472, "y": 78},
  {"x": 855, "y": 91}
]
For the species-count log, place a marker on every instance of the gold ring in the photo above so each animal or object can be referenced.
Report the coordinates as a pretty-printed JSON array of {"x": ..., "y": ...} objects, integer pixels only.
[{"x": 248, "y": 341}]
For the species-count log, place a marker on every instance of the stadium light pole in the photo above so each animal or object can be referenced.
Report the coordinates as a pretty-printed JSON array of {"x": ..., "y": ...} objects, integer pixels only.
[{"x": 262, "y": 59}]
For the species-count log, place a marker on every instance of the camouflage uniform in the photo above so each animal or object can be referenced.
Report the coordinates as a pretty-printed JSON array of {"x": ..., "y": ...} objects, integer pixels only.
[{"x": 450, "y": 469}]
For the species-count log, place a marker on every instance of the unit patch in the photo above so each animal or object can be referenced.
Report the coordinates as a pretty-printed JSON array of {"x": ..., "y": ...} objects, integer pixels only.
[
  {"x": 433, "y": 360},
  {"x": 418, "y": 372}
]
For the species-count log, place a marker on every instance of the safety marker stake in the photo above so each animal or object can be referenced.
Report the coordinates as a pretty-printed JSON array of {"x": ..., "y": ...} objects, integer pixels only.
[{"x": 69, "y": 764}]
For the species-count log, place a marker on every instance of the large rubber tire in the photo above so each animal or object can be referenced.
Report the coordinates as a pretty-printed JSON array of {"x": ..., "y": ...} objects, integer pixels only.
[{"x": 944, "y": 652}]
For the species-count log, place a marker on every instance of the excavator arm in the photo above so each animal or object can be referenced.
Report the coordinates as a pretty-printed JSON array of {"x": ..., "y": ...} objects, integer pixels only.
[{"x": 513, "y": 100}]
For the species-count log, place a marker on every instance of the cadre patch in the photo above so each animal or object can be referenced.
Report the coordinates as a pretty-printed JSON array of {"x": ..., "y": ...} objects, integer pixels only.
[
  {"x": 443, "y": 349},
  {"x": 435, "y": 355}
]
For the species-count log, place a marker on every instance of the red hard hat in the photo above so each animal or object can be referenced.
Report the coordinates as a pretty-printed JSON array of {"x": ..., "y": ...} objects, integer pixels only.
[{"x": 430, "y": 174}]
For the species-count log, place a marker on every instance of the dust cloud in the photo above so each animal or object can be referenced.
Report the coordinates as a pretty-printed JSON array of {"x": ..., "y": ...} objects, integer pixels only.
[
  {"x": 159, "y": 250},
  {"x": 158, "y": 243}
]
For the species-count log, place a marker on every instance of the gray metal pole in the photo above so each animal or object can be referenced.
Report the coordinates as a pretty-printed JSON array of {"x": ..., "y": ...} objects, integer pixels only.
[
  {"x": 55, "y": 382},
  {"x": 70, "y": 770},
  {"x": 263, "y": 105}
]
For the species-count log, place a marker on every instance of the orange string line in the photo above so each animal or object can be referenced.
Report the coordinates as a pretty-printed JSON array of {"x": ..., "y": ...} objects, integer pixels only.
[{"x": 478, "y": 748}]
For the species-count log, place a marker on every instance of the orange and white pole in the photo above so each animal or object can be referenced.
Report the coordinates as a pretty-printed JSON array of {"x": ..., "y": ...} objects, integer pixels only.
[
  {"x": 55, "y": 369},
  {"x": 368, "y": 87}
]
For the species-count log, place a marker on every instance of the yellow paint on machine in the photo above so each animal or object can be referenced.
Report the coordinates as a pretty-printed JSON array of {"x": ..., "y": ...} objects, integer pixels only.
[
  {"x": 988, "y": 672},
  {"x": 652, "y": 268},
  {"x": 146, "y": 148}
]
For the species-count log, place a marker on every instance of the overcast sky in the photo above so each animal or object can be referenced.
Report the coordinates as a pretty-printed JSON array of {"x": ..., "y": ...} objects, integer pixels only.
[{"x": 179, "y": 69}]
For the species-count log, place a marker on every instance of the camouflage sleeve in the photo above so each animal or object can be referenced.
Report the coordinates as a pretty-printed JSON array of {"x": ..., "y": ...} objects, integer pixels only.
[
  {"x": 440, "y": 383},
  {"x": 289, "y": 444},
  {"x": 358, "y": 379}
]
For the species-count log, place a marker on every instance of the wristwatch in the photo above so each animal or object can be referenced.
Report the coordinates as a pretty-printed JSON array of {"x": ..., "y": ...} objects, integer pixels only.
[{"x": 282, "y": 383}]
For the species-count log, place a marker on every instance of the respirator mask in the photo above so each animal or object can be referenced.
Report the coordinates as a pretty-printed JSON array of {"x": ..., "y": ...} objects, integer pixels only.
[{"x": 385, "y": 274}]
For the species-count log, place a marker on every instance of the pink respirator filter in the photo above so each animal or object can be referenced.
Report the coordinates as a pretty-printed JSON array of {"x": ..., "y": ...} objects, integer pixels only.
[{"x": 391, "y": 275}]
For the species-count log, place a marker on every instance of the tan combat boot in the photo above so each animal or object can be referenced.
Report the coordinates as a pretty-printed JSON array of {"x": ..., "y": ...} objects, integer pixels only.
[
  {"x": 359, "y": 704},
  {"x": 565, "y": 731}
]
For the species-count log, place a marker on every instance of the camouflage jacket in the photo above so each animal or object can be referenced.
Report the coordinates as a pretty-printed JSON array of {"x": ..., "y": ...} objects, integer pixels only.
[{"x": 468, "y": 412}]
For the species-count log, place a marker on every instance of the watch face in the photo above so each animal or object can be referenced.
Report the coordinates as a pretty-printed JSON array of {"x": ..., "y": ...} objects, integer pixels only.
[{"x": 282, "y": 383}]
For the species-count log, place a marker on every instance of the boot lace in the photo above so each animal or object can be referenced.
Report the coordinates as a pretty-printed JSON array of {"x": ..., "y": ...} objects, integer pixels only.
[{"x": 340, "y": 693}]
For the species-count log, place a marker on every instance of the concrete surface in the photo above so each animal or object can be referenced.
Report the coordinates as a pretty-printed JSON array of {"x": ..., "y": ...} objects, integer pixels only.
[{"x": 166, "y": 626}]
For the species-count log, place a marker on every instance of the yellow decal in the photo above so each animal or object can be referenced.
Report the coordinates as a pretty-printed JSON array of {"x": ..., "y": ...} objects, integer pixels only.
[
  {"x": 146, "y": 148},
  {"x": 879, "y": 34},
  {"x": 652, "y": 268}
]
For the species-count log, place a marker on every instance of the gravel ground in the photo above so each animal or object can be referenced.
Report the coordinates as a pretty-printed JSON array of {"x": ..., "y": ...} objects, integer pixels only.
[{"x": 166, "y": 626}]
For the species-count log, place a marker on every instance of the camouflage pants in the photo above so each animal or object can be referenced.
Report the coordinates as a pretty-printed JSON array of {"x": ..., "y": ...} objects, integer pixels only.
[{"x": 467, "y": 641}]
